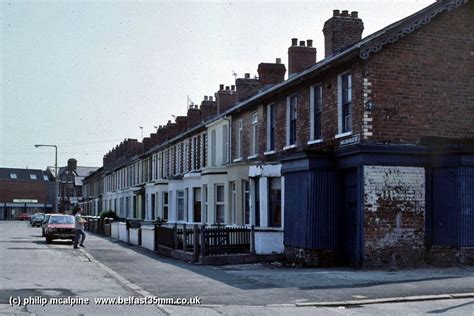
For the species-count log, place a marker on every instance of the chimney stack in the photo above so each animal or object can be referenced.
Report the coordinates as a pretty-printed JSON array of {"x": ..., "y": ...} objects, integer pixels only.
[
  {"x": 300, "y": 57},
  {"x": 195, "y": 115},
  {"x": 72, "y": 164},
  {"x": 182, "y": 123},
  {"x": 269, "y": 73},
  {"x": 341, "y": 30},
  {"x": 225, "y": 99},
  {"x": 171, "y": 130},
  {"x": 208, "y": 107}
]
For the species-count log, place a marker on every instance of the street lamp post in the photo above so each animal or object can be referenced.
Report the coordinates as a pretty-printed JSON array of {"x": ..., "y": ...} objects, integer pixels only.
[{"x": 56, "y": 189}]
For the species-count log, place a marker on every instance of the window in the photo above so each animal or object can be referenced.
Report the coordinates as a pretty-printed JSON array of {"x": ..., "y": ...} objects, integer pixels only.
[
  {"x": 204, "y": 151},
  {"x": 239, "y": 139},
  {"x": 134, "y": 206},
  {"x": 271, "y": 127},
  {"x": 165, "y": 206},
  {"x": 45, "y": 178},
  {"x": 316, "y": 108},
  {"x": 186, "y": 204},
  {"x": 33, "y": 176},
  {"x": 233, "y": 203},
  {"x": 213, "y": 147},
  {"x": 225, "y": 144},
  {"x": 220, "y": 206},
  {"x": 345, "y": 103},
  {"x": 186, "y": 157},
  {"x": 254, "y": 142},
  {"x": 194, "y": 160},
  {"x": 127, "y": 207},
  {"x": 204, "y": 196},
  {"x": 246, "y": 201},
  {"x": 152, "y": 210},
  {"x": 274, "y": 199},
  {"x": 291, "y": 115},
  {"x": 197, "y": 205},
  {"x": 13, "y": 176},
  {"x": 256, "y": 188},
  {"x": 180, "y": 204}
]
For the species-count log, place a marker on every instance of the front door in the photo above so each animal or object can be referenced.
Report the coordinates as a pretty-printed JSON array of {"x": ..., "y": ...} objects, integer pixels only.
[
  {"x": 197, "y": 205},
  {"x": 350, "y": 230}
]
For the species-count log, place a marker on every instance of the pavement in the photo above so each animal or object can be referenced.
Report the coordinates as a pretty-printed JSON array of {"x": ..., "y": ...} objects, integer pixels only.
[{"x": 30, "y": 268}]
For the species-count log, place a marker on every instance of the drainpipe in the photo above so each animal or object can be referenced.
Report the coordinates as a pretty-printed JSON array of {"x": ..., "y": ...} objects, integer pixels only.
[{"x": 229, "y": 140}]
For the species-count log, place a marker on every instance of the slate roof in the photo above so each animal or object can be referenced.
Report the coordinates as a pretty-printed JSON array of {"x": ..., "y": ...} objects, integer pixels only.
[{"x": 23, "y": 174}]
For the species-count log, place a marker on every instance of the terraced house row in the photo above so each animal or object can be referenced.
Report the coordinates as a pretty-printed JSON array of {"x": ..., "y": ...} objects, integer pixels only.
[{"x": 361, "y": 158}]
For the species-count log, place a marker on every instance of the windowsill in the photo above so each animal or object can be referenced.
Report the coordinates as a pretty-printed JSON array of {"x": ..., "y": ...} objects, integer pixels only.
[
  {"x": 252, "y": 157},
  {"x": 316, "y": 141},
  {"x": 269, "y": 229},
  {"x": 289, "y": 147},
  {"x": 343, "y": 135},
  {"x": 271, "y": 152},
  {"x": 237, "y": 160}
]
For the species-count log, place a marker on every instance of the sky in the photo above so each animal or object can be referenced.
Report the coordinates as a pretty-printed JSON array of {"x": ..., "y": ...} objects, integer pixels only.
[{"x": 84, "y": 75}]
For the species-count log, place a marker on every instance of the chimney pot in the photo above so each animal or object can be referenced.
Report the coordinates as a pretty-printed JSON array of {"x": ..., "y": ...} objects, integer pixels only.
[
  {"x": 278, "y": 61},
  {"x": 247, "y": 76},
  {"x": 335, "y": 12},
  {"x": 232, "y": 87},
  {"x": 210, "y": 98},
  {"x": 339, "y": 33},
  {"x": 221, "y": 87},
  {"x": 205, "y": 98},
  {"x": 227, "y": 87},
  {"x": 302, "y": 43},
  {"x": 294, "y": 42},
  {"x": 309, "y": 43}
]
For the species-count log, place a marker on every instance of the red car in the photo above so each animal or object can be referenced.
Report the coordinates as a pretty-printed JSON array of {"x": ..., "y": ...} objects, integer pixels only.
[
  {"x": 23, "y": 217},
  {"x": 60, "y": 227}
]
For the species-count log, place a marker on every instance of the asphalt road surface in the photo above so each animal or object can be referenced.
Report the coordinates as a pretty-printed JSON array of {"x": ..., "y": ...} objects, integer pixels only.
[{"x": 37, "y": 273}]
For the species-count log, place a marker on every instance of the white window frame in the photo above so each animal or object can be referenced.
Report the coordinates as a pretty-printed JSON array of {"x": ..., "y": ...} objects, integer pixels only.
[
  {"x": 213, "y": 147},
  {"x": 288, "y": 120},
  {"x": 319, "y": 87},
  {"x": 13, "y": 175},
  {"x": 341, "y": 133},
  {"x": 239, "y": 138},
  {"x": 165, "y": 203},
  {"x": 225, "y": 144},
  {"x": 233, "y": 202},
  {"x": 270, "y": 150},
  {"x": 219, "y": 203},
  {"x": 193, "y": 153},
  {"x": 180, "y": 196},
  {"x": 254, "y": 140},
  {"x": 33, "y": 176}
]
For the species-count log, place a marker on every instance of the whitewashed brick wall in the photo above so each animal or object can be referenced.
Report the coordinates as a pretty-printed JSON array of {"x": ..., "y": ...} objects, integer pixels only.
[
  {"x": 406, "y": 184},
  {"x": 394, "y": 218}
]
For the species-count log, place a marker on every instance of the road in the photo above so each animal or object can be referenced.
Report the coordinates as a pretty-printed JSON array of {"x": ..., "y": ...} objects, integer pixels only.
[{"x": 30, "y": 268}]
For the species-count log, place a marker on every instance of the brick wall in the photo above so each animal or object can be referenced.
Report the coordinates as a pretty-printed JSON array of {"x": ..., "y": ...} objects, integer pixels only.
[
  {"x": 24, "y": 189},
  {"x": 422, "y": 85},
  {"x": 329, "y": 114},
  {"x": 394, "y": 215}
]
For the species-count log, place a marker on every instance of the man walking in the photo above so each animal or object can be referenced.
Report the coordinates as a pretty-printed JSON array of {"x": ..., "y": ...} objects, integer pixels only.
[{"x": 79, "y": 226}]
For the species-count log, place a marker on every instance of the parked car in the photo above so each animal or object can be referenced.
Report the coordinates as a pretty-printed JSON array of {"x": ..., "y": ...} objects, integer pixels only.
[
  {"x": 44, "y": 224},
  {"x": 60, "y": 227},
  {"x": 23, "y": 217},
  {"x": 37, "y": 219}
]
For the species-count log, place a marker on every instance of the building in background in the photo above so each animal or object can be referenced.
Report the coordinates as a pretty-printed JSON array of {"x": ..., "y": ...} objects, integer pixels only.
[
  {"x": 70, "y": 184},
  {"x": 25, "y": 191},
  {"x": 92, "y": 192}
]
